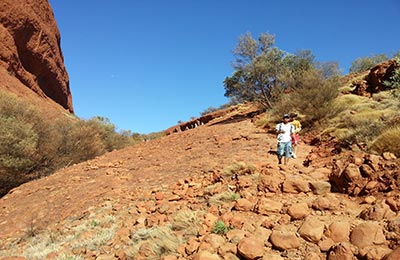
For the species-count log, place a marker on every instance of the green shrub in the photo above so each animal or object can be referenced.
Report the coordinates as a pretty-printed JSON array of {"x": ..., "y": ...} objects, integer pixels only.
[
  {"x": 220, "y": 228},
  {"x": 312, "y": 97}
]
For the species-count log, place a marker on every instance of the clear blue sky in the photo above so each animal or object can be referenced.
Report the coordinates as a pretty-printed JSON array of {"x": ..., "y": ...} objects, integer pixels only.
[{"x": 147, "y": 64}]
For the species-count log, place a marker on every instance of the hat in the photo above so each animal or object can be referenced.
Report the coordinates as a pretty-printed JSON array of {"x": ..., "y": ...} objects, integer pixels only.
[{"x": 286, "y": 116}]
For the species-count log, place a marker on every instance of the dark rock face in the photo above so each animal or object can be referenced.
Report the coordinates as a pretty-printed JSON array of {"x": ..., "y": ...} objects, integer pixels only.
[
  {"x": 30, "y": 49},
  {"x": 373, "y": 82}
]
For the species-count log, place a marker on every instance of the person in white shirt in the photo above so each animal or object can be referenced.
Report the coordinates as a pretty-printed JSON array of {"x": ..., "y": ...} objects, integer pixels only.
[{"x": 285, "y": 130}]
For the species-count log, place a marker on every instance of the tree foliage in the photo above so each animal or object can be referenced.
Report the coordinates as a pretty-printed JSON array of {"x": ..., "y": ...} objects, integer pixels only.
[
  {"x": 312, "y": 97},
  {"x": 259, "y": 70},
  {"x": 366, "y": 63},
  {"x": 263, "y": 72}
]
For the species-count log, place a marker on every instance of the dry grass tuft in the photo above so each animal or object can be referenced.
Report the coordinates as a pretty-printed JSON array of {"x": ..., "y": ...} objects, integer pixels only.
[
  {"x": 153, "y": 242},
  {"x": 221, "y": 198},
  {"x": 387, "y": 141},
  {"x": 187, "y": 221},
  {"x": 239, "y": 168}
]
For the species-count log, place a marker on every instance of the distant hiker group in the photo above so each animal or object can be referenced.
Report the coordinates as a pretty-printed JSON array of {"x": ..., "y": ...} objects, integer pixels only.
[{"x": 288, "y": 137}]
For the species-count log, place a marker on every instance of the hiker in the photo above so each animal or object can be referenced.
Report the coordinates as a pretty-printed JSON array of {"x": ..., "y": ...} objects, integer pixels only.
[
  {"x": 285, "y": 131},
  {"x": 295, "y": 137}
]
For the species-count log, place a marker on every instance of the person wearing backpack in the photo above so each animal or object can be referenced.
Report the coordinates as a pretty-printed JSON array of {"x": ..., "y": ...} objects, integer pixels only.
[{"x": 285, "y": 131}]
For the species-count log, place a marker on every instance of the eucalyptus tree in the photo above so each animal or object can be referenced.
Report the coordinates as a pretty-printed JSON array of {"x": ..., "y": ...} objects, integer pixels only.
[{"x": 259, "y": 70}]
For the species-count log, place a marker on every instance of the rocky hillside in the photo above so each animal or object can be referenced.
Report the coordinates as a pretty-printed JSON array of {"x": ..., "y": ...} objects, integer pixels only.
[
  {"x": 211, "y": 192},
  {"x": 30, "y": 53}
]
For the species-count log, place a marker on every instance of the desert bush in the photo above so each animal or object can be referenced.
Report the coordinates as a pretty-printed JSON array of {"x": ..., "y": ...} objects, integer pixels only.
[
  {"x": 18, "y": 142},
  {"x": 110, "y": 138},
  {"x": 23, "y": 142},
  {"x": 80, "y": 142},
  {"x": 387, "y": 141},
  {"x": 312, "y": 97},
  {"x": 220, "y": 228}
]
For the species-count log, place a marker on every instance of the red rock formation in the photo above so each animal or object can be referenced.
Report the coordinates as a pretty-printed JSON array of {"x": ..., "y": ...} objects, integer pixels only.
[
  {"x": 30, "y": 49},
  {"x": 373, "y": 82},
  {"x": 379, "y": 74}
]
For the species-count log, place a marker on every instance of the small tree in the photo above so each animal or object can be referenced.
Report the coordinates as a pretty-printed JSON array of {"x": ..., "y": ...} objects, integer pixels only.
[{"x": 259, "y": 70}]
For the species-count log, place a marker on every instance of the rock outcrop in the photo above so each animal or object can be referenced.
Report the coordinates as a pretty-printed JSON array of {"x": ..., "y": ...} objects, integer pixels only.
[
  {"x": 373, "y": 82},
  {"x": 30, "y": 49}
]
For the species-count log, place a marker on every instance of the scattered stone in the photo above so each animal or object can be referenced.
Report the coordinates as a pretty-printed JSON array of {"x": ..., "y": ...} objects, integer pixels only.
[
  {"x": 211, "y": 242},
  {"x": 341, "y": 251},
  {"x": 192, "y": 246},
  {"x": 266, "y": 206},
  {"x": 312, "y": 256},
  {"x": 244, "y": 205},
  {"x": 367, "y": 234},
  {"x": 272, "y": 257},
  {"x": 374, "y": 252},
  {"x": 284, "y": 240},
  {"x": 230, "y": 256},
  {"x": 251, "y": 248},
  {"x": 389, "y": 156},
  {"x": 169, "y": 257},
  {"x": 377, "y": 212},
  {"x": 338, "y": 231},
  {"x": 320, "y": 187},
  {"x": 295, "y": 185},
  {"x": 269, "y": 183},
  {"x": 352, "y": 173},
  {"x": 235, "y": 235},
  {"x": 228, "y": 248},
  {"x": 394, "y": 204},
  {"x": 327, "y": 202},
  {"x": 370, "y": 200},
  {"x": 326, "y": 244},
  {"x": 312, "y": 229},
  {"x": 205, "y": 255},
  {"x": 394, "y": 255},
  {"x": 299, "y": 211}
]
